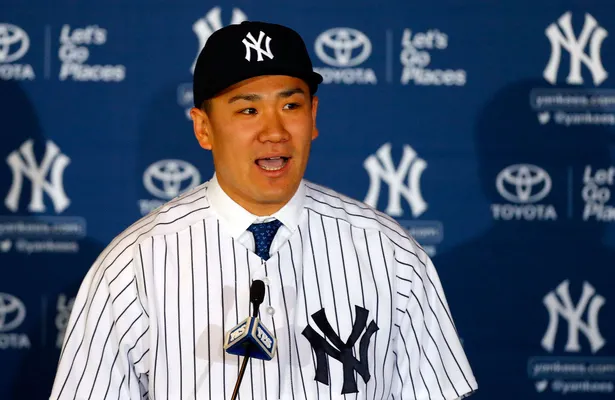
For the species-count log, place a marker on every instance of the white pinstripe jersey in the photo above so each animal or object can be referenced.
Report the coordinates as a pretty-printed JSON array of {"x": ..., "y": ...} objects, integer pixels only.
[{"x": 151, "y": 313}]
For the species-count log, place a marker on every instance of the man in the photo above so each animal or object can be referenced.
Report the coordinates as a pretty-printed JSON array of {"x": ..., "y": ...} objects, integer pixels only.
[{"x": 355, "y": 304}]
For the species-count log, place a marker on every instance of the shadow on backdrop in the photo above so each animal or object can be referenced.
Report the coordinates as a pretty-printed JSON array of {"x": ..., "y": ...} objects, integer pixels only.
[
  {"x": 38, "y": 280},
  {"x": 496, "y": 283},
  {"x": 169, "y": 157}
]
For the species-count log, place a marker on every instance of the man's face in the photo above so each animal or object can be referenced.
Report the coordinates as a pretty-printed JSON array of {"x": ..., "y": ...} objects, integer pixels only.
[{"x": 260, "y": 132}]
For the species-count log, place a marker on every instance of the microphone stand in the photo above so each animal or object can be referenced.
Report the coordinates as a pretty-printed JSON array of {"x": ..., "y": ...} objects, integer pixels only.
[
  {"x": 242, "y": 370},
  {"x": 244, "y": 363}
]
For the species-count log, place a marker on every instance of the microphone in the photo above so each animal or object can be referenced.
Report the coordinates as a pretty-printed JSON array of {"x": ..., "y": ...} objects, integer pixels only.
[{"x": 250, "y": 338}]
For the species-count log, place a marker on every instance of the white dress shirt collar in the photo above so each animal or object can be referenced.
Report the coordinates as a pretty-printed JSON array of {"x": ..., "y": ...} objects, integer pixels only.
[{"x": 237, "y": 219}]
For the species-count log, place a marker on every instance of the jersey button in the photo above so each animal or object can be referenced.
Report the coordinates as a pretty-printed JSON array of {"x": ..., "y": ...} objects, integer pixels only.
[
  {"x": 266, "y": 281},
  {"x": 270, "y": 310}
]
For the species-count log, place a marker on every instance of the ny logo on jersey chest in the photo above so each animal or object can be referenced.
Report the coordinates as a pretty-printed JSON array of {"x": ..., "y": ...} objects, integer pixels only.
[{"x": 342, "y": 352}]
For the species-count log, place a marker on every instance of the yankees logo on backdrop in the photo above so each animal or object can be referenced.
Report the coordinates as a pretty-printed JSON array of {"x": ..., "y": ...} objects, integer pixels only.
[
  {"x": 342, "y": 351},
  {"x": 256, "y": 45}
]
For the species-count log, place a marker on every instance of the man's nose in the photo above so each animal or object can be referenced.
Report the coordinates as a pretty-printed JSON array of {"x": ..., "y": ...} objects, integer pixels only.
[{"x": 274, "y": 129}]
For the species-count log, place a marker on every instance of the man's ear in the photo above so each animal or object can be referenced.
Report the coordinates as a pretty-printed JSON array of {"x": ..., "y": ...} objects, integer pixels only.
[
  {"x": 314, "y": 112},
  {"x": 202, "y": 127}
]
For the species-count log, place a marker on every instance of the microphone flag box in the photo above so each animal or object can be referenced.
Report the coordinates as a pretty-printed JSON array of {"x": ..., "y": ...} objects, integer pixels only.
[{"x": 250, "y": 333}]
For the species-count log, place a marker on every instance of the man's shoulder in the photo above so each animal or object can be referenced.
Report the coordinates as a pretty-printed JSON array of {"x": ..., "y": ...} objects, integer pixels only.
[
  {"x": 173, "y": 216},
  {"x": 333, "y": 204}
]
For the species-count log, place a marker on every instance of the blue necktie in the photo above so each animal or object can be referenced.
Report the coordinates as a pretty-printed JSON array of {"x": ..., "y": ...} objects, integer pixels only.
[{"x": 263, "y": 236}]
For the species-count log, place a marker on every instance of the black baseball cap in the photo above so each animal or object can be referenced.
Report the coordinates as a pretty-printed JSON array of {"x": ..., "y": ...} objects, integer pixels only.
[{"x": 242, "y": 51}]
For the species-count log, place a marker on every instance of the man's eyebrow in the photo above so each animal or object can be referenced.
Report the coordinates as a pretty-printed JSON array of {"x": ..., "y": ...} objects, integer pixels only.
[
  {"x": 287, "y": 93},
  {"x": 255, "y": 97},
  {"x": 247, "y": 97}
]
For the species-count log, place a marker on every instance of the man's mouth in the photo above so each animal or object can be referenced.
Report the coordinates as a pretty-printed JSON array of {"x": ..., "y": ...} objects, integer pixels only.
[{"x": 272, "y": 163}]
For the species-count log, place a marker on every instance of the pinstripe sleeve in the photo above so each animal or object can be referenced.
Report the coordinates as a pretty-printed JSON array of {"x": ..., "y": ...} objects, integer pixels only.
[
  {"x": 430, "y": 361},
  {"x": 104, "y": 354}
]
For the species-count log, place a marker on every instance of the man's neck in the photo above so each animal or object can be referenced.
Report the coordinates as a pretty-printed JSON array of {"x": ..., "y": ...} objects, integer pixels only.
[{"x": 258, "y": 209}]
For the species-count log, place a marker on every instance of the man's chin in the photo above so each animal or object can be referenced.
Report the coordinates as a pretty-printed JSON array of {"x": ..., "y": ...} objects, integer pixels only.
[
  {"x": 276, "y": 195},
  {"x": 279, "y": 186}
]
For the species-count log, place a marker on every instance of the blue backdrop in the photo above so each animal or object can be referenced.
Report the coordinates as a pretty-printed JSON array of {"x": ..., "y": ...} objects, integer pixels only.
[{"x": 486, "y": 130}]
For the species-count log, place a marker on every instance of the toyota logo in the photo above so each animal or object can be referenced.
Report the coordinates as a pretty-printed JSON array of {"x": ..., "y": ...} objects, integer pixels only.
[
  {"x": 14, "y": 43},
  {"x": 523, "y": 183},
  {"x": 167, "y": 179},
  {"x": 12, "y": 312},
  {"x": 343, "y": 47}
]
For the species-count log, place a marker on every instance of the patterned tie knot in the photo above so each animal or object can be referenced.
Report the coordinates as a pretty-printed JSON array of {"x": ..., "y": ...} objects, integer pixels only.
[{"x": 263, "y": 236}]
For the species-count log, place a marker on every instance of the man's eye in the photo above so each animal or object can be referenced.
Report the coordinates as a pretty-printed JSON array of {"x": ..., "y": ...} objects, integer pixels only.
[
  {"x": 291, "y": 106},
  {"x": 248, "y": 111}
]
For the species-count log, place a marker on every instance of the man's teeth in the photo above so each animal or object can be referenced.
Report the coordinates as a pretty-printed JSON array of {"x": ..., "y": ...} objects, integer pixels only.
[{"x": 272, "y": 163}]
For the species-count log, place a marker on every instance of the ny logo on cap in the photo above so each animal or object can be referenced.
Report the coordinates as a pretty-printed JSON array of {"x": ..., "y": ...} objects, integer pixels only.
[{"x": 252, "y": 43}]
